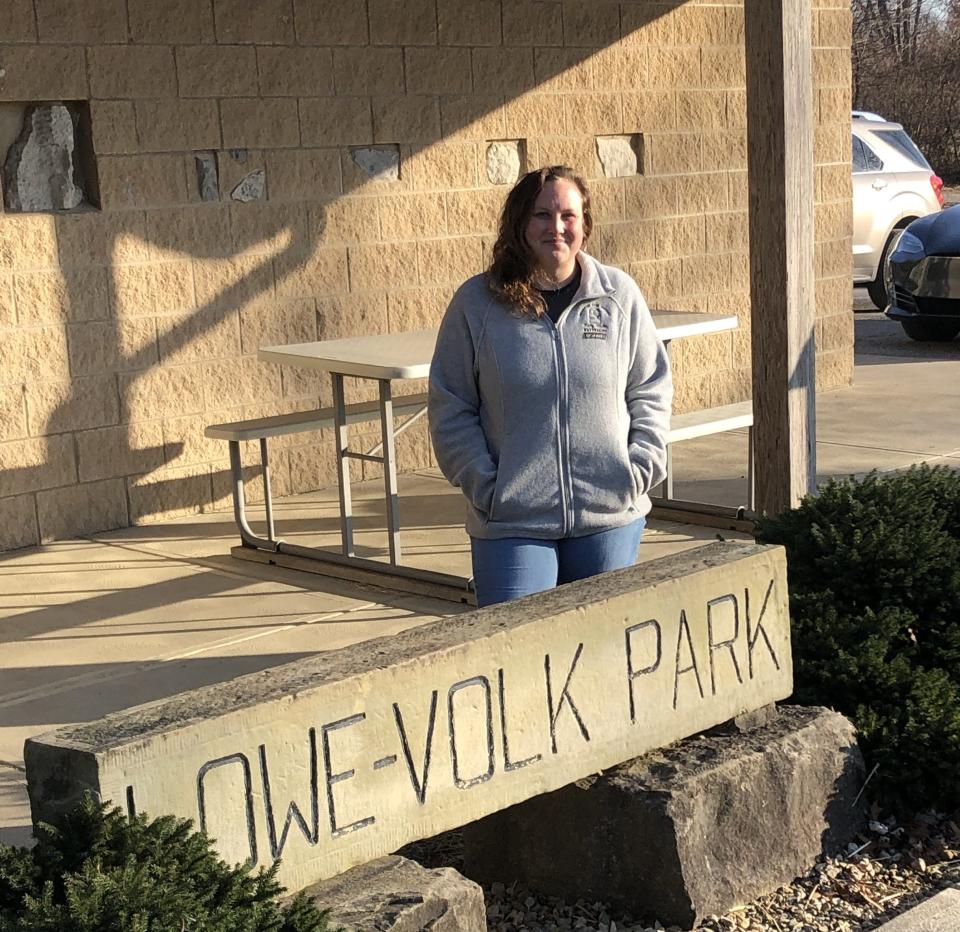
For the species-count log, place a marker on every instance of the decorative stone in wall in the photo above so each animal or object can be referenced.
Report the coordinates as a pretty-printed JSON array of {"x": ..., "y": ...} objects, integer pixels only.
[
  {"x": 504, "y": 161},
  {"x": 381, "y": 163},
  {"x": 252, "y": 187},
  {"x": 41, "y": 171},
  {"x": 620, "y": 156},
  {"x": 208, "y": 181}
]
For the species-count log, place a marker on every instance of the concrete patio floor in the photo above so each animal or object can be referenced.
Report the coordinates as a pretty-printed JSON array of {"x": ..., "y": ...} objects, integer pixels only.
[
  {"x": 92, "y": 626},
  {"x": 100, "y": 624}
]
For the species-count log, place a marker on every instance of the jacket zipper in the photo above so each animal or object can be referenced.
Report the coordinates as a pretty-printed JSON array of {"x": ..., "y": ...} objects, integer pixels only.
[{"x": 563, "y": 439}]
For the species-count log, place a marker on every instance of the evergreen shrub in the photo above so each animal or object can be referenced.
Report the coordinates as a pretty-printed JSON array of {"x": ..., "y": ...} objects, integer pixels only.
[
  {"x": 874, "y": 579},
  {"x": 98, "y": 871}
]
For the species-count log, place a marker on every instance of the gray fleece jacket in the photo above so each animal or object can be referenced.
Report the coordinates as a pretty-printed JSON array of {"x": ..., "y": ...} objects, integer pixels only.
[{"x": 551, "y": 430}]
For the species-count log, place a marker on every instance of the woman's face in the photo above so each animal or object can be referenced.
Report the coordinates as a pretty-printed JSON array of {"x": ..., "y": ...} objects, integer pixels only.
[{"x": 554, "y": 231}]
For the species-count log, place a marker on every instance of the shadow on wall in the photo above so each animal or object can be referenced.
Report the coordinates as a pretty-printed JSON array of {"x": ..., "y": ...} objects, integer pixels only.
[{"x": 250, "y": 253}]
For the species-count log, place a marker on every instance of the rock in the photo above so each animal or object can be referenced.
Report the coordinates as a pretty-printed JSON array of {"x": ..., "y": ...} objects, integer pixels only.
[
  {"x": 618, "y": 156},
  {"x": 41, "y": 166},
  {"x": 397, "y": 894},
  {"x": 747, "y": 721},
  {"x": 941, "y": 913},
  {"x": 381, "y": 163},
  {"x": 503, "y": 162},
  {"x": 251, "y": 187},
  {"x": 689, "y": 831},
  {"x": 208, "y": 182}
]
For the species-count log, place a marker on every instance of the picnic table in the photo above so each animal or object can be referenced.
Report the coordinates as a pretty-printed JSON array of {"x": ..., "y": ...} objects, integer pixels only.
[{"x": 388, "y": 359}]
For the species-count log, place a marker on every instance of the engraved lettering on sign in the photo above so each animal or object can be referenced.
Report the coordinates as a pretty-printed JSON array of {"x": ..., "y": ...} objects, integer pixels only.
[
  {"x": 331, "y": 778},
  {"x": 632, "y": 673},
  {"x": 684, "y": 634},
  {"x": 484, "y": 684},
  {"x": 565, "y": 698},
  {"x": 753, "y": 634},
  {"x": 715, "y": 645},
  {"x": 311, "y": 833},
  {"x": 242, "y": 760},
  {"x": 419, "y": 781},
  {"x": 509, "y": 765}
]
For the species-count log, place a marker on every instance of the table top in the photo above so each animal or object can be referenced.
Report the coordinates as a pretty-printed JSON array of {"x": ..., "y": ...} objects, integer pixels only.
[
  {"x": 407, "y": 355},
  {"x": 674, "y": 325},
  {"x": 379, "y": 356}
]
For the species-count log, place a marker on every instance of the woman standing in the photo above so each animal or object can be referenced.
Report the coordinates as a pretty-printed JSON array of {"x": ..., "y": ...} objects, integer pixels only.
[{"x": 550, "y": 399}]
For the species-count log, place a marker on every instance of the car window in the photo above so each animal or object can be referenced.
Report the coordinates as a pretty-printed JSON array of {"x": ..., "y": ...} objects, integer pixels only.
[
  {"x": 900, "y": 141},
  {"x": 864, "y": 158},
  {"x": 859, "y": 159}
]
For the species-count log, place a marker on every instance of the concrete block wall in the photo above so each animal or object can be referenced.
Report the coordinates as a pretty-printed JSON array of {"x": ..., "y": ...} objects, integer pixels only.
[{"x": 124, "y": 330}]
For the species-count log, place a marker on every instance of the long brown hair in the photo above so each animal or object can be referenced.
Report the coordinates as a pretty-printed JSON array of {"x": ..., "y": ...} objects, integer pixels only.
[{"x": 511, "y": 273}]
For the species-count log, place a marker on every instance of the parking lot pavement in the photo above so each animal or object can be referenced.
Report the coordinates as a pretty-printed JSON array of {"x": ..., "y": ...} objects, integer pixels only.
[{"x": 877, "y": 335}]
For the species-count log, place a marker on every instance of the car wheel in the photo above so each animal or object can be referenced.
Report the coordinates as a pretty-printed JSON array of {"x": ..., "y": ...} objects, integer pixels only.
[
  {"x": 877, "y": 289},
  {"x": 927, "y": 330}
]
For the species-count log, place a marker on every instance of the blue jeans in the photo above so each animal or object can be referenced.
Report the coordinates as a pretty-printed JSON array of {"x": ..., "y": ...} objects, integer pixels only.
[{"x": 516, "y": 566}]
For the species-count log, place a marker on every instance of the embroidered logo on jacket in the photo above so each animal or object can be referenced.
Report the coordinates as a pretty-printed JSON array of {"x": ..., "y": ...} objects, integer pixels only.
[{"x": 594, "y": 327}]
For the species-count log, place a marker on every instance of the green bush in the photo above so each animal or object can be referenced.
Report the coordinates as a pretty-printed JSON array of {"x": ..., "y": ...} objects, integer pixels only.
[
  {"x": 98, "y": 871},
  {"x": 874, "y": 578}
]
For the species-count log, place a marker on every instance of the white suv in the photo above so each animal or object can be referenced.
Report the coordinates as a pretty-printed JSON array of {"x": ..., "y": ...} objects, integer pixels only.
[{"x": 892, "y": 184}]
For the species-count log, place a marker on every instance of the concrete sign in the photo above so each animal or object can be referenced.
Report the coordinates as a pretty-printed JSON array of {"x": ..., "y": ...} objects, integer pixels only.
[{"x": 340, "y": 758}]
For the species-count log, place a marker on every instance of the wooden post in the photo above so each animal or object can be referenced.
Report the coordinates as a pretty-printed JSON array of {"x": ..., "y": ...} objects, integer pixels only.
[{"x": 780, "y": 162}]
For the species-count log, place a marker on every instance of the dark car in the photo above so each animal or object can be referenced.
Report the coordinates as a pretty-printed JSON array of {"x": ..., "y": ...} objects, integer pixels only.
[{"x": 923, "y": 277}]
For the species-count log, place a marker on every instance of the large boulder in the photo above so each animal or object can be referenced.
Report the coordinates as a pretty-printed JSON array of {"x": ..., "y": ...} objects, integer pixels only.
[
  {"x": 711, "y": 822},
  {"x": 397, "y": 894}
]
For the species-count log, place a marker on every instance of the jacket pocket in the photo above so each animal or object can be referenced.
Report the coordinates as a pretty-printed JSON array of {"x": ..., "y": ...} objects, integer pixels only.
[
  {"x": 627, "y": 489},
  {"x": 524, "y": 496},
  {"x": 606, "y": 484}
]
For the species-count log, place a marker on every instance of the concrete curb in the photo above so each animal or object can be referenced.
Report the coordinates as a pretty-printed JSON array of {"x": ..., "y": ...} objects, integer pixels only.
[{"x": 941, "y": 913}]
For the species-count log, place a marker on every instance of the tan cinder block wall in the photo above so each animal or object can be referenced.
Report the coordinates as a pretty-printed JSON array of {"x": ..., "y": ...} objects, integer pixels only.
[{"x": 125, "y": 330}]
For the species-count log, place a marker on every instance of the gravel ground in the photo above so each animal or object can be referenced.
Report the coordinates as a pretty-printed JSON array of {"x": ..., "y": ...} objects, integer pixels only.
[{"x": 882, "y": 874}]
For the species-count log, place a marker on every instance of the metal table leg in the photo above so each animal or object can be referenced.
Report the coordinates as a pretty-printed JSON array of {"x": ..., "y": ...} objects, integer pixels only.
[
  {"x": 667, "y": 494},
  {"x": 389, "y": 471},
  {"x": 267, "y": 494},
  {"x": 250, "y": 540},
  {"x": 341, "y": 436}
]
